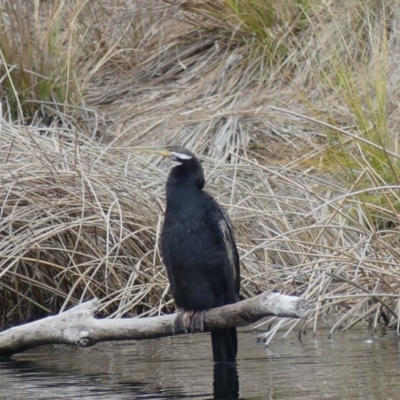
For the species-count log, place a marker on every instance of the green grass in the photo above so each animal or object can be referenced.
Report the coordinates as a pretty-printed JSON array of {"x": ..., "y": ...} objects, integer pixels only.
[
  {"x": 270, "y": 26},
  {"x": 37, "y": 46},
  {"x": 357, "y": 79}
]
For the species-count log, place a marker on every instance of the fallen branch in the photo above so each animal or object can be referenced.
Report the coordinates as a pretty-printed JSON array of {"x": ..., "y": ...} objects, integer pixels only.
[{"x": 79, "y": 326}]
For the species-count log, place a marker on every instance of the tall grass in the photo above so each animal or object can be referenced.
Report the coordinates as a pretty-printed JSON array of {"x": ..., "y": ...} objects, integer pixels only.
[
  {"x": 37, "y": 52},
  {"x": 49, "y": 52},
  {"x": 291, "y": 106},
  {"x": 357, "y": 77}
]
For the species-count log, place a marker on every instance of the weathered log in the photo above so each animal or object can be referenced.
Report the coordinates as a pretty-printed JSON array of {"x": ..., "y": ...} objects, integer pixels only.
[{"x": 78, "y": 325}]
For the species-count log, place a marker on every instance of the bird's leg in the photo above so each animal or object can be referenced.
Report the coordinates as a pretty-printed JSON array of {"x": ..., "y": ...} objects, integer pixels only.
[
  {"x": 183, "y": 320},
  {"x": 197, "y": 322}
]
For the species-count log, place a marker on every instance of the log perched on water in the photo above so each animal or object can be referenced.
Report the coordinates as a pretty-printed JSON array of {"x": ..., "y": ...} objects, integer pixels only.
[{"x": 79, "y": 326}]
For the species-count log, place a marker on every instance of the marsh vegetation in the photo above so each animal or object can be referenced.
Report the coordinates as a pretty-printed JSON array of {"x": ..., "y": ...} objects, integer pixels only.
[{"x": 292, "y": 106}]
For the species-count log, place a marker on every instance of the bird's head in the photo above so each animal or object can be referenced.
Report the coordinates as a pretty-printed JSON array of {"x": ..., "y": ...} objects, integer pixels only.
[{"x": 187, "y": 169}]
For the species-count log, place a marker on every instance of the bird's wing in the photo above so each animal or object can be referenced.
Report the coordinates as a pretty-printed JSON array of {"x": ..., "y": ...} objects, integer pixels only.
[{"x": 225, "y": 225}]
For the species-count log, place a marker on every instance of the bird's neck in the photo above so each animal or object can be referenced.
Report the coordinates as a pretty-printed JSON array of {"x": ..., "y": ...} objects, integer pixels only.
[{"x": 181, "y": 192}]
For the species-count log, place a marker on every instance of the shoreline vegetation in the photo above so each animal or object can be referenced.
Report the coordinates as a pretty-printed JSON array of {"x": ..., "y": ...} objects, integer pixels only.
[{"x": 291, "y": 105}]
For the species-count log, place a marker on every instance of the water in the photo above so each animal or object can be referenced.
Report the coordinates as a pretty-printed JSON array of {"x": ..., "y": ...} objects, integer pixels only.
[{"x": 350, "y": 365}]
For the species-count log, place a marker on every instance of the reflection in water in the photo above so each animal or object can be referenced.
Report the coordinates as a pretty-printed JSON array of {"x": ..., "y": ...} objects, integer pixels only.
[
  {"x": 181, "y": 367},
  {"x": 226, "y": 382}
]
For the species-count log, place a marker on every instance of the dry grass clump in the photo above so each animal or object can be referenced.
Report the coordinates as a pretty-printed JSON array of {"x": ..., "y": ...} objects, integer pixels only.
[
  {"x": 292, "y": 107},
  {"x": 73, "y": 225},
  {"x": 83, "y": 221}
]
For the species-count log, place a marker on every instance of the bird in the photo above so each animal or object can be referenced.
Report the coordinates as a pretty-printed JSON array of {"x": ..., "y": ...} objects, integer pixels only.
[{"x": 198, "y": 250}]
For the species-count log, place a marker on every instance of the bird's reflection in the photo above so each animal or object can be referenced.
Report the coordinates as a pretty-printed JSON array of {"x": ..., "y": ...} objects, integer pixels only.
[{"x": 226, "y": 382}]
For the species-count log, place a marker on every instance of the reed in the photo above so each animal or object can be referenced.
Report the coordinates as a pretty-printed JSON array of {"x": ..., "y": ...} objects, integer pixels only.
[{"x": 289, "y": 105}]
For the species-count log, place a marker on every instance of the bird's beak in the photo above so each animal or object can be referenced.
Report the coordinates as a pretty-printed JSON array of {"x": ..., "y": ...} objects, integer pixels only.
[{"x": 161, "y": 151}]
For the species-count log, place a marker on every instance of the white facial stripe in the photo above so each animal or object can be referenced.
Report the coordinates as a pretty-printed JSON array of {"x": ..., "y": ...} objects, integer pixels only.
[{"x": 181, "y": 155}]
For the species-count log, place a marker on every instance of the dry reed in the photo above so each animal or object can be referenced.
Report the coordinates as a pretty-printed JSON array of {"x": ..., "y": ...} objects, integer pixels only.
[{"x": 81, "y": 211}]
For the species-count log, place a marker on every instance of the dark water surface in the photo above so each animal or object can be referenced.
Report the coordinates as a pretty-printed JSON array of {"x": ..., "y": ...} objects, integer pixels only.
[{"x": 351, "y": 365}]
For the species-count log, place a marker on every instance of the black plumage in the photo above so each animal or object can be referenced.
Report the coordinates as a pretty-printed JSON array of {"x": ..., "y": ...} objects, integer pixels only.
[{"x": 198, "y": 248}]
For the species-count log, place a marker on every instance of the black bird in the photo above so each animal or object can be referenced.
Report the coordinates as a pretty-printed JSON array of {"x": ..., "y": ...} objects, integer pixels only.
[{"x": 198, "y": 249}]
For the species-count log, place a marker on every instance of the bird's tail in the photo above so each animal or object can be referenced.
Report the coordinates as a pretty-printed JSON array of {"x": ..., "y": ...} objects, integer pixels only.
[{"x": 224, "y": 345}]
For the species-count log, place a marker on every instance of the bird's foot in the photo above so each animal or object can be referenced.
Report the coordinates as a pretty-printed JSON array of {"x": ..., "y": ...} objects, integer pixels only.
[
  {"x": 182, "y": 321},
  {"x": 189, "y": 321},
  {"x": 197, "y": 322}
]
